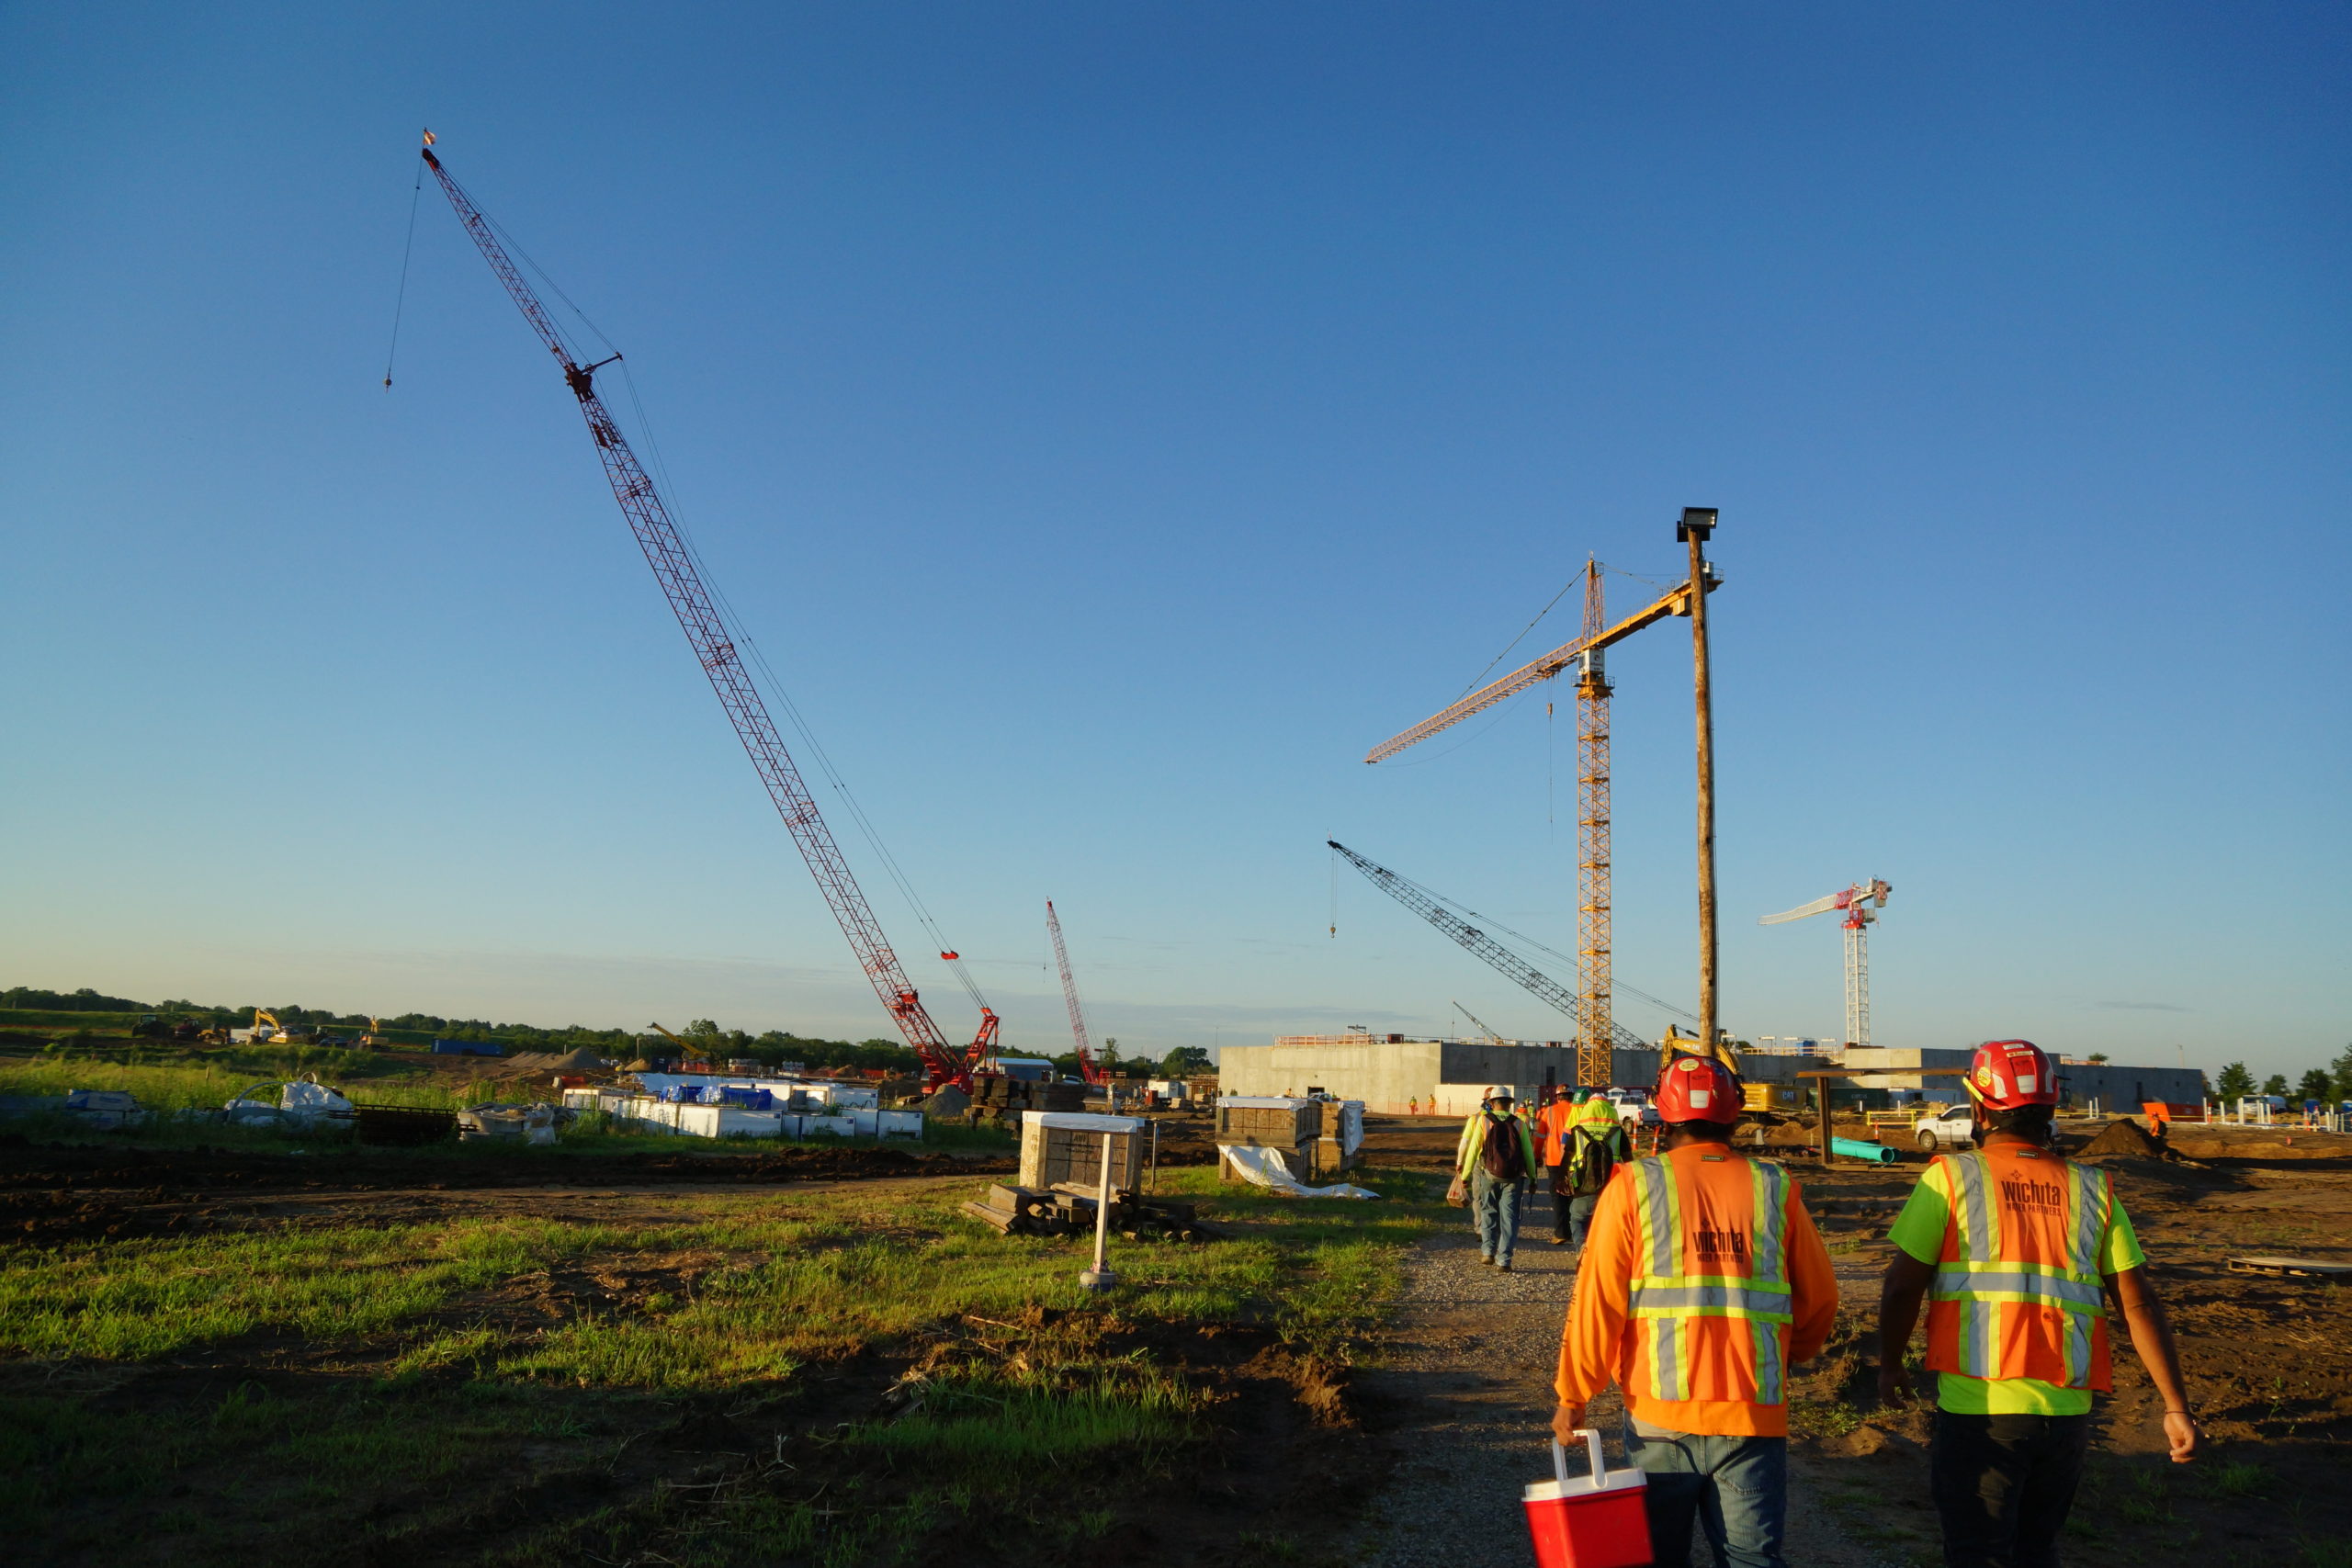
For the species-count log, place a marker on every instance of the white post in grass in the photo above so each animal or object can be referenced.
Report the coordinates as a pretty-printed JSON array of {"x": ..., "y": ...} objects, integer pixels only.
[{"x": 1100, "y": 1277}]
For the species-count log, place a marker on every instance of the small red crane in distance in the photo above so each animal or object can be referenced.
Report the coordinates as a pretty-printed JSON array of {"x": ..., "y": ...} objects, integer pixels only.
[
  {"x": 1086, "y": 1066},
  {"x": 698, "y": 616}
]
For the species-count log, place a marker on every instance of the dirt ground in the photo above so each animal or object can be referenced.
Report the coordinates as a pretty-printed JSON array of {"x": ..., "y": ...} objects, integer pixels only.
[
  {"x": 2269, "y": 1359},
  {"x": 1426, "y": 1449}
]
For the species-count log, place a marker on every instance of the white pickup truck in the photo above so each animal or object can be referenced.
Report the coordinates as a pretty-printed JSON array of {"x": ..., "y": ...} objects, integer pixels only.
[
  {"x": 1947, "y": 1127},
  {"x": 1633, "y": 1107}
]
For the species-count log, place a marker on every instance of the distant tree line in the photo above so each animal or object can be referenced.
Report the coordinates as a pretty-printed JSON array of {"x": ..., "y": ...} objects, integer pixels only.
[
  {"x": 2331, "y": 1082},
  {"x": 704, "y": 1035}
]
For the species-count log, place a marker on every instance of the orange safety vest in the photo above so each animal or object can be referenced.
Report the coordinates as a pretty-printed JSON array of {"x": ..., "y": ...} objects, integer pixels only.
[
  {"x": 2017, "y": 1288},
  {"x": 1710, "y": 1297},
  {"x": 1556, "y": 1120}
]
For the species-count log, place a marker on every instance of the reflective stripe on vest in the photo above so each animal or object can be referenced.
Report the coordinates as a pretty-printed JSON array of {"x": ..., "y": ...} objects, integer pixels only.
[
  {"x": 1668, "y": 1305},
  {"x": 1979, "y": 1287}
]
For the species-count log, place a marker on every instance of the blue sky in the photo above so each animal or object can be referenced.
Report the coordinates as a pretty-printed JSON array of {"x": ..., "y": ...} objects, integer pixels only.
[{"x": 1112, "y": 421}]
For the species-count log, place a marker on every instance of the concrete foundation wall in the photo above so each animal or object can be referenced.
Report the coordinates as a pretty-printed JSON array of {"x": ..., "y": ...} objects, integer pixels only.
[
  {"x": 1386, "y": 1077},
  {"x": 1446, "y": 1078}
]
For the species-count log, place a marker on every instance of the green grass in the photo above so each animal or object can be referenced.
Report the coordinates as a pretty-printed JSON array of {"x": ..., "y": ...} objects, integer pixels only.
[
  {"x": 2239, "y": 1478},
  {"x": 334, "y": 1372}
]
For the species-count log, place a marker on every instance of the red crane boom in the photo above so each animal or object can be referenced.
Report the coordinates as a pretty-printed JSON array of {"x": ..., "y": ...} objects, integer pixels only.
[
  {"x": 698, "y": 616},
  {"x": 1086, "y": 1066}
]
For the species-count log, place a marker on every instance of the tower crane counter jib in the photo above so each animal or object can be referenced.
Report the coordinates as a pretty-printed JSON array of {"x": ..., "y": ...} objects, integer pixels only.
[{"x": 716, "y": 649}]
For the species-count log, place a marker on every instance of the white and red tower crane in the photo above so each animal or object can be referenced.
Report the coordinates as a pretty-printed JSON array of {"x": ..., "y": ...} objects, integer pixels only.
[
  {"x": 1860, "y": 904},
  {"x": 1087, "y": 1066}
]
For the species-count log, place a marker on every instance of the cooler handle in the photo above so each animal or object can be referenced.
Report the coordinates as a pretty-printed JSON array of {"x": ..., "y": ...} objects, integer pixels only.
[{"x": 1591, "y": 1436}]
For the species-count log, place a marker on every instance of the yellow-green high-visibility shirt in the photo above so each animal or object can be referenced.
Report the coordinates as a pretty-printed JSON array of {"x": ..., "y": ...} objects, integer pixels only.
[{"x": 1919, "y": 1230}]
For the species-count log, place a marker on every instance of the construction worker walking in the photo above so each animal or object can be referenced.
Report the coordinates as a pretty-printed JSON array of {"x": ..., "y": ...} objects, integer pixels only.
[
  {"x": 1597, "y": 1144},
  {"x": 1703, "y": 1282},
  {"x": 2012, "y": 1246},
  {"x": 1553, "y": 1125},
  {"x": 1495, "y": 1157}
]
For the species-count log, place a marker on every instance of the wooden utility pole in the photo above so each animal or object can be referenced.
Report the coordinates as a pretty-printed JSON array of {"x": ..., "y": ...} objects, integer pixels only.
[{"x": 1698, "y": 523}]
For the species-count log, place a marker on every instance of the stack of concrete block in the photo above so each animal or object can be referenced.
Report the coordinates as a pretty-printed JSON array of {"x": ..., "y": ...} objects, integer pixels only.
[
  {"x": 1060, "y": 1147},
  {"x": 1288, "y": 1125},
  {"x": 1338, "y": 1140}
]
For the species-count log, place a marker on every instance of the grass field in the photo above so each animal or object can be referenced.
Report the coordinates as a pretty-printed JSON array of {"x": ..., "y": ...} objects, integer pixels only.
[{"x": 849, "y": 1375}]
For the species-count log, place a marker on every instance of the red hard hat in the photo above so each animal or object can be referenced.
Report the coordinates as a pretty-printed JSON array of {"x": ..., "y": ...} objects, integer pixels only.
[
  {"x": 2007, "y": 1074},
  {"x": 1698, "y": 1088}
]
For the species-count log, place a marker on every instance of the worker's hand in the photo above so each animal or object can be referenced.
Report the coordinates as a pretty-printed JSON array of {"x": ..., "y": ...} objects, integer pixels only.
[
  {"x": 1566, "y": 1421},
  {"x": 2180, "y": 1430},
  {"x": 1894, "y": 1384}
]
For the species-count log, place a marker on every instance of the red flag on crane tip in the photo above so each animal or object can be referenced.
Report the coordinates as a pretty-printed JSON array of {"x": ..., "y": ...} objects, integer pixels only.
[{"x": 951, "y": 957}]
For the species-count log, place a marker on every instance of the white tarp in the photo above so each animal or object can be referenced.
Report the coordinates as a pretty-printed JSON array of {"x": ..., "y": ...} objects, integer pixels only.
[
  {"x": 1266, "y": 1167},
  {"x": 1263, "y": 1102},
  {"x": 1350, "y": 1126}
]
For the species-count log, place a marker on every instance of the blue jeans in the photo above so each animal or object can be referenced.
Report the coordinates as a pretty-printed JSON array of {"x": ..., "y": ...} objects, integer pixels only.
[
  {"x": 1580, "y": 1218},
  {"x": 1494, "y": 1206},
  {"x": 1737, "y": 1488}
]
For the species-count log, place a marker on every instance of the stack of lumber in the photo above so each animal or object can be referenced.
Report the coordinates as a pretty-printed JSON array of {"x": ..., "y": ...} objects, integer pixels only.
[{"x": 1068, "y": 1208}]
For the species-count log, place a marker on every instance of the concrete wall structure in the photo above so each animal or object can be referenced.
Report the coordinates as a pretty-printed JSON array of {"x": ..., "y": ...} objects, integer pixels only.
[{"x": 1447, "y": 1076}]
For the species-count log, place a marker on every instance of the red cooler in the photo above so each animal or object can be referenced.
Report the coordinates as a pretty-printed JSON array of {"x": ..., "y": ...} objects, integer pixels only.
[{"x": 1588, "y": 1521}]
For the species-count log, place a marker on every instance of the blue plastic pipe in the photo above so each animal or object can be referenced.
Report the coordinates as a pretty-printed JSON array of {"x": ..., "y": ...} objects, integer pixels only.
[{"x": 1854, "y": 1148}]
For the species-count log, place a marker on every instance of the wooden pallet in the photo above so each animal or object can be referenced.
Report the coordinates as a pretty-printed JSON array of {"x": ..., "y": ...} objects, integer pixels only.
[
  {"x": 1068, "y": 1208},
  {"x": 2293, "y": 1267}
]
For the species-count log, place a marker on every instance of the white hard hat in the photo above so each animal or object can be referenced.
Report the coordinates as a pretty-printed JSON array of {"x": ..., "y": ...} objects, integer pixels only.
[{"x": 1501, "y": 1091}]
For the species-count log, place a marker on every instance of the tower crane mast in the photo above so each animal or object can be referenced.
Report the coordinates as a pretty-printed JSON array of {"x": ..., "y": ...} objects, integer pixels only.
[
  {"x": 1586, "y": 656},
  {"x": 715, "y": 648},
  {"x": 1087, "y": 1068}
]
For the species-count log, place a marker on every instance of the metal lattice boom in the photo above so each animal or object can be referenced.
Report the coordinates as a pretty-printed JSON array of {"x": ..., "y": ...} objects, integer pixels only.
[
  {"x": 1427, "y": 905},
  {"x": 1086, "y": 1066},
  {"x": 698, "y": 616}
]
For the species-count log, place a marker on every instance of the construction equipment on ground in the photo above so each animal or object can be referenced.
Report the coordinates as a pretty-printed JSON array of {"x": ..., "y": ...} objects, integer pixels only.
[
  {"x": 1860, "y": 904},
  {"x": 275, "y": 1034},
  {"x": 1596, "y": 1028},
  {"x": 1433, "y": 908},
  {"x": 721, "y": 650},
  {"x": 1087, "y": 1068}
]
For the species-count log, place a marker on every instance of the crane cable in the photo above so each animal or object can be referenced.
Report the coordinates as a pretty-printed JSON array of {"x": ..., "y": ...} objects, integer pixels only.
[{"x": 399, "y": 298}]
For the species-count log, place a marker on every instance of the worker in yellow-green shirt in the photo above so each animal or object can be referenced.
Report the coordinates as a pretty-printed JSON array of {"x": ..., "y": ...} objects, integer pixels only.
[{"x": 2014, "y": 1249}]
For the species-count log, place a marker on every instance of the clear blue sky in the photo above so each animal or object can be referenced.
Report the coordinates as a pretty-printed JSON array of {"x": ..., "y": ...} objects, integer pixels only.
[{"x": 1111, "y": 420}]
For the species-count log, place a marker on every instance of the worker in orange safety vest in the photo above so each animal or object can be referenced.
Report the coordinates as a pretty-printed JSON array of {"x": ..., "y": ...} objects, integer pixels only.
[
  {"x": 1702, "y": 1282},
  {"x": 2013, "y": 1247},
  {"x": 1553, "y": 1123}
]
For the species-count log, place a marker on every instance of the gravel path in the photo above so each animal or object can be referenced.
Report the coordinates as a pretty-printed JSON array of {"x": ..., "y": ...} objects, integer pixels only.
[{"x": 1469, "y": 1366}]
